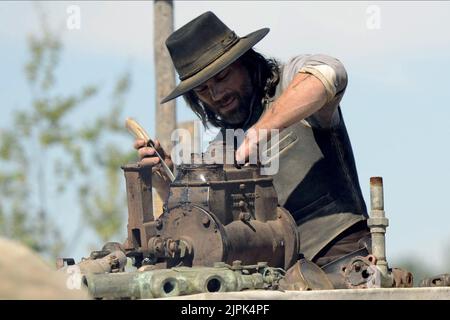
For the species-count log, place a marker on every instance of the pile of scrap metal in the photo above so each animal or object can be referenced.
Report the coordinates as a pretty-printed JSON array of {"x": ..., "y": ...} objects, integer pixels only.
[{"x": 222, "y": 230}]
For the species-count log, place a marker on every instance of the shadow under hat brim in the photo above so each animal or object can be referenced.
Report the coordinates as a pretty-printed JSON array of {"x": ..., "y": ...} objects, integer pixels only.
[{"x": 242, "y": 46}]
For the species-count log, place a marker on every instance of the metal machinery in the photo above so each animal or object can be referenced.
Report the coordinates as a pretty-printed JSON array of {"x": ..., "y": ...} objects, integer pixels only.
[
  {"x": 183, "y": 281},
  {"x": 222, "y": 230},
  {"x": 214, "y": 213},
  {"x": 372, "y": 271},
  {"x": 223, "y": 221}
]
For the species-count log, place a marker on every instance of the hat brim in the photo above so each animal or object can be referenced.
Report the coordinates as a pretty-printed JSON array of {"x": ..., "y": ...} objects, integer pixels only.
[{"x": 242, "y": 46}]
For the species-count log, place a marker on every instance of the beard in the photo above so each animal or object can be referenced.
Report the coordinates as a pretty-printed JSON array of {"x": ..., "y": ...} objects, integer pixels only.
[{"x": 241, "y": 113}]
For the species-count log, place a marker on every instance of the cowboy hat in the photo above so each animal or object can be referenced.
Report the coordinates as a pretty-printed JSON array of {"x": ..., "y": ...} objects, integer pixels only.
[{"x": 204, "y": 47}]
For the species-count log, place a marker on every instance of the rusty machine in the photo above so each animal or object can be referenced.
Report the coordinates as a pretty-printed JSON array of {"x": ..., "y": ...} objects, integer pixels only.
[
  {"x": 221, "y": 230},
  {"x": 221, "y": 218},
  {"x": 214, "y": 213}
]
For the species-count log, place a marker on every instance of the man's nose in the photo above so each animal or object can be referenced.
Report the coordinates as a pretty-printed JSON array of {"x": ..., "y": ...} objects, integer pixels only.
[{"x": 216, "y": 93}]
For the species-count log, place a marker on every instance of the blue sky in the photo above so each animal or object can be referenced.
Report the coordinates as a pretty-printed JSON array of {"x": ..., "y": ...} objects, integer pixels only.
[{"x": 395, "y": 107}]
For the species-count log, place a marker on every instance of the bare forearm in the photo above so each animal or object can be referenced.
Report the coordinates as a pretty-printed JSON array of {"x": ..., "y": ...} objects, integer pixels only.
[
  {"x": 305, "y": 95},
  {"x": 147, "y": 156}
]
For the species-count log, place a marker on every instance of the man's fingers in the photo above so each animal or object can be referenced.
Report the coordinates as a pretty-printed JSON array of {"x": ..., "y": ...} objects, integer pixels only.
[
  {"x": 159, "y": 148},
  {"x": 139, "y": 143},
  {"x": 242, "y": 154},
  {"x": 146, "y": 152},
  {"x": 149, "y": 161},
  {"x": 147, "y": 155}
]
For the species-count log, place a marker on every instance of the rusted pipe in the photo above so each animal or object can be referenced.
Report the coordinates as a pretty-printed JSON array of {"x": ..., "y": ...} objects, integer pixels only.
[
  {"x": 378, "y": 224},
  {"x": 376, "y": 193}
]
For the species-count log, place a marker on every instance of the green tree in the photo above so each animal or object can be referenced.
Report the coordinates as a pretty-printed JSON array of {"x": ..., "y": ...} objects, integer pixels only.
[{"x": 83, "y": 158}]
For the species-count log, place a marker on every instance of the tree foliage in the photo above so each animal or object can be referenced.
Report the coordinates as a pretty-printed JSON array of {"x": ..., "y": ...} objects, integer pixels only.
[{"x": 45, "y": 154}]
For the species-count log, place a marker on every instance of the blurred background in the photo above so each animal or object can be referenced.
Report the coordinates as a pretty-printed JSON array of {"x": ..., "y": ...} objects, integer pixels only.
[{"x": 71, "y": 72}]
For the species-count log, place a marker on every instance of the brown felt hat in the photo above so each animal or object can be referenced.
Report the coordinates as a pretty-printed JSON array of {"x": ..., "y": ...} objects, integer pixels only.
[{"x": 204, "y": 47}]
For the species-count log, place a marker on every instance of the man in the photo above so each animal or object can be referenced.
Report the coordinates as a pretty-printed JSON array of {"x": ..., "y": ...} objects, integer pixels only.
[{"x": 229, "y": 85}]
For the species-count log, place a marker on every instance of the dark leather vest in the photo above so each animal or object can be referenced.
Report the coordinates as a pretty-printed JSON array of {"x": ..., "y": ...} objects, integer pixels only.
[
  {"x": 317, "y": 180},
  {"x": 318, "y": 183}
]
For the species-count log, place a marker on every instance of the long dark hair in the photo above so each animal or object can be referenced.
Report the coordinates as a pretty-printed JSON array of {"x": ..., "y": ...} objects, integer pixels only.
[{"x": 264, "y": 74}]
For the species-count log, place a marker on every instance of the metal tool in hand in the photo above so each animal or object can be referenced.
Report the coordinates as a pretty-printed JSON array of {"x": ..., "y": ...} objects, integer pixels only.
[{"x": 140, "y": 133}]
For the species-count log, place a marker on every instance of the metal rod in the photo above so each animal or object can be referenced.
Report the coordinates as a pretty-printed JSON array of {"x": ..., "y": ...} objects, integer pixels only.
[{"x": 378, "y": 223}]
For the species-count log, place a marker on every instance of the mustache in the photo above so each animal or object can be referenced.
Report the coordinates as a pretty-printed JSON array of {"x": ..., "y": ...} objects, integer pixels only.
[{"x": 226, "y": 99}]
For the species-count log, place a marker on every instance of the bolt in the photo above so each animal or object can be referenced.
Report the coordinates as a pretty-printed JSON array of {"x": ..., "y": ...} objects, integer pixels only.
[
  {"x": 241, "y": 204},
  {"x": 242, "y": 186},
  {"x": 159, "y": 224}
]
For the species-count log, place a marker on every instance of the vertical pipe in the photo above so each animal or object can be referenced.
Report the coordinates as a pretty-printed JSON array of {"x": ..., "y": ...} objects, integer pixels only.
[
  {"x": 165, "y": 115},
  {"x": 165, "y": 119},
  {"x": 378, "y": 223},
  {"x": 376, "y": 193}
]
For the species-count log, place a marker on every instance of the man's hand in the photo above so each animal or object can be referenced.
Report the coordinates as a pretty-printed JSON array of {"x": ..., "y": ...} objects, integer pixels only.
[
  {"x": 249, "y": 147},
  {"x": 305, "y": 95},
  {"x": 148, "y": 157}
]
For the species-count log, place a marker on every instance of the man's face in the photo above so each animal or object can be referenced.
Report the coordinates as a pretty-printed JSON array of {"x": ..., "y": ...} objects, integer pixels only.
[{"x": 228, "y": 94}]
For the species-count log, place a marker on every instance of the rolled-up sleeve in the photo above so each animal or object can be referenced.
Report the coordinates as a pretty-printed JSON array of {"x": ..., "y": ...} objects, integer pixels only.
[{"x": 329, "y": 70}]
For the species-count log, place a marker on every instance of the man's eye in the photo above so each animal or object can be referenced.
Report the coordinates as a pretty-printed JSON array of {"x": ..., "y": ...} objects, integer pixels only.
[
  {"x": 200, "y": 89},
  {"x": 222, "y": 75}
]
